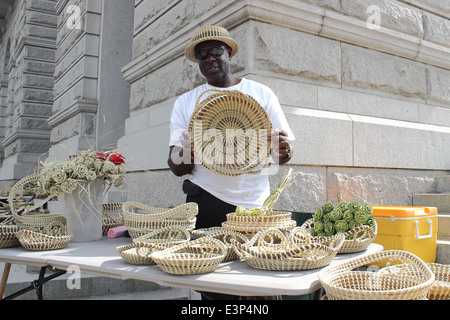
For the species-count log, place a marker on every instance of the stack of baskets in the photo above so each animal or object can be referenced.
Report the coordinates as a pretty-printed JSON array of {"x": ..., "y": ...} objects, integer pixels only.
[
  {"x": 250, "y": 225},
  {"x": 271, "y": 249},
  {"x": 112, "y": 216},
  {"x": 139, "y": 219}
]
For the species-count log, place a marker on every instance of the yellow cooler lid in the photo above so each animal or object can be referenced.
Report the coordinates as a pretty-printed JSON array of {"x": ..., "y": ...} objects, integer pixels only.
[{"x": 403, "y": 211}]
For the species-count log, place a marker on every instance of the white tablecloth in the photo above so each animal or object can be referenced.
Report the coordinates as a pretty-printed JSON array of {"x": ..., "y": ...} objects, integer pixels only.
[{"x": 101, "y": 258}]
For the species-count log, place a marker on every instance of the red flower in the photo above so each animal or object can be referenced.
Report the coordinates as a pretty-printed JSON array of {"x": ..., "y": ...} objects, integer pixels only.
[
  {"x": 101, "y": 156},
  {"x": 116, "y": 158}
]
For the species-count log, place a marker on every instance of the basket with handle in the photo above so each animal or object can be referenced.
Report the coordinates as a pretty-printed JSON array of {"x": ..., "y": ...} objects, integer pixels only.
[
  {"x": 224, "y": 235},
  {"x": 271, "y": 249},
  {"x": 27, "y": 215},
  {"x": 356, "y": 240},
  {"x": 230, "y": 129},
  {"x": 170, "y": 235},
  {"x": 139, "y": 219},
  {"x": 346, "y": 281},
  {"x": 180, "y": 260},
  {"x": 440, "y": 290}
]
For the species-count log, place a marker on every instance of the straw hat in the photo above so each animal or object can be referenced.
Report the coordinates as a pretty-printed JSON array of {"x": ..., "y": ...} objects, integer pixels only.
[{"x": 210, "y": 33}]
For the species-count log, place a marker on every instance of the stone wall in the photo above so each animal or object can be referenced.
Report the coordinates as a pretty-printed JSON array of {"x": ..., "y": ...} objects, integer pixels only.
[{"x": 363, "y": 84}]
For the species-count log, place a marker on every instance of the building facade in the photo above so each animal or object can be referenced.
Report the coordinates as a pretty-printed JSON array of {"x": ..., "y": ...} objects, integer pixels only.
[{"x": 365, "y": 86}]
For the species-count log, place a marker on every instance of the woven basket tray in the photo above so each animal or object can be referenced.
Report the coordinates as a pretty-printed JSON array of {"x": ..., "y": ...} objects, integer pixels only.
[
  {"x": 35, "y": 241},
  {"x": 8, "y": 238},
  {"x": 170, "y": 236},
  {"x": 112, "y": 216},
  {"x": 250, "y": 225},
  {"x": 224, "y": 235},
  {"x": 345, "y": 282},
  {"x": 26, "y": 214},
  {"x": 225, "y": 112},
  {"x": 140, "y": 253},
  {"x": 440, "y": 290},
  {"x": 270, "y": 249},
  {"x": 356, "y": 240},
  {"x": 140, "y": 218},
  {"x": 179, "y": 260}
]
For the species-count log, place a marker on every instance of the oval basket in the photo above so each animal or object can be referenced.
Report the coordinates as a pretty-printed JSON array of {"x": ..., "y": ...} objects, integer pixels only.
[
  {"x": 169, "y": 236},
  {"x": 282, "y": 253},
  {"x": 27, "y": 215},
  {"x": 140, "y": 253},
  {"x": 250, "y": 225},
  {"x": 346, "y": 282},
  {"x": 224, "y": 235},
  {"x": 356, "y": 240},
  {"x": 440, "y": 290},
  {"x": 180, "y": 261},
  {"x": 230, "y": 130},
  {"x": 35, "y": 241},
  {"x": 139, "y": 219}
]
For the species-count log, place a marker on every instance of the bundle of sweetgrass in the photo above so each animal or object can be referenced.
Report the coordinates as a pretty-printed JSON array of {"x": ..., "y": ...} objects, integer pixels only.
[
  {"x": 330, "y": 220},
  {"x": 271, "y": 200}
]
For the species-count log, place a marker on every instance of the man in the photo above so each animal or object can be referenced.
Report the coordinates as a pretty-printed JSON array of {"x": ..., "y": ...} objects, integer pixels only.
[{"x": 212, "y": 48}]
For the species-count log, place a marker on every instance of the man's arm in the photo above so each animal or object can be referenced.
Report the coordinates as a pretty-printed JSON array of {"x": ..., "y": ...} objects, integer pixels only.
[{"x": 181, "y": 159}]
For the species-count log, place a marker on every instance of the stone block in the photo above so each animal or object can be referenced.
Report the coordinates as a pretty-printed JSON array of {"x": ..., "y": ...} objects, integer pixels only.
[
  {"x": 434, "y": 115},
  {"x": 437, "y": 29},
  {"x": 296, "y": 54},
  {"x": 437, "y": 90},
  {"x": 439, "y": 200},
  {"x": 443, "y": 183},
  {"x": 372, "y": 70},
  {"x": 398, "y": 144}
]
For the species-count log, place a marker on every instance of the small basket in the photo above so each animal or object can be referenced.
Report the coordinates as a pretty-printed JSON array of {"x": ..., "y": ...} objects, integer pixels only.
[
  {"x": 224, "y": 235},
  {"x": 345, "y": 282},
  {"x": 35, "y": 241},
  {"x": 250, "y": 225},
  {"x": 169, "y": 236},
  {"x": 139, "y": 253},
  {"x": 8, "y": 238},
  {"x": 26, "y": 215},
  {"x": 356, "y": 240},
  {"x": 440, "y": 290},
  {"x": 243, "y": 125},
  {"x": 282, "y": 252},
  {"x": 108, "y": 220},
  {"x": 140, "y": 218},
  {"x": 180, "y": 261}
]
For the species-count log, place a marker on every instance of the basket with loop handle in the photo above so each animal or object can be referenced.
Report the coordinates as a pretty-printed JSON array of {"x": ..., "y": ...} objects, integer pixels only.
[
  {"x": 224, "y": 235},
  {"x": 180, "y": 260},
  {"x": 53, "y": 237},
  {"x": 271, "y": 249},
  {"x": 346, "y": 281},
  {"x": 28, "y": 215},
  {"x": 112, "y": 216},
  {"x": 140, "y": 219},
  {"x": 356, "y": 240},
  {"x": 230, "y": 130},
  {"x": 440, "y": 290},
  {"x": 168, "y": 235}
]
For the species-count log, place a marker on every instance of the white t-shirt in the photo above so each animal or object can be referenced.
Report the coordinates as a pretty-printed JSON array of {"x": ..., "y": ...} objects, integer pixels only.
[{"x": 247, "y": 190}]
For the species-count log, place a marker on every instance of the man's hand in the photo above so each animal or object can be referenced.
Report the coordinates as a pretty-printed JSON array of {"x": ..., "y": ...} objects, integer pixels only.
[
  {"x": 281, "y": 146},
  {"x": 181, "y": 159}
]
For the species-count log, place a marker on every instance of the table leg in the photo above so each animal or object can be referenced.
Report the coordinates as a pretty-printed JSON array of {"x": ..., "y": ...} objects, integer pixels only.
[{"x": 5, "y": 276}]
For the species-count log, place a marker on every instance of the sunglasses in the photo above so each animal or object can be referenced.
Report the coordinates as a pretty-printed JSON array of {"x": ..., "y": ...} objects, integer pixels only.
[{"x": 215, "y": 52}]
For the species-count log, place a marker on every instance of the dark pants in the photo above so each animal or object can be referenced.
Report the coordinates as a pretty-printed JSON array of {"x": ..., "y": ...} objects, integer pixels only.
[{"x": 211, "y": 213}]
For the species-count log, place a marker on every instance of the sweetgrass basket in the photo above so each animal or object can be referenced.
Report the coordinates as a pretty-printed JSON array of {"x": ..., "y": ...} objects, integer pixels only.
[
  {"x": 250, "y": 225},
  {"x": 139, "y": 219},
  {"x": 8, "y": 238},
  {"x": 27, "y": 214},
  {"x": 180, "y": 260},
  {"x": 346, "y": 281},
  {"x": 139, "y": 253},
  {"x": 112, "y": 216},
  {"x": 440, "y": 290},
  {"x": 170, "y": 235},
  {"x": 271, "y": 249},
  {"x": 230, "y": 129},
  {"x": 224, "y": 235},
  {"x": 356, "y": 240},
  {"x": 53, "y": 237}
]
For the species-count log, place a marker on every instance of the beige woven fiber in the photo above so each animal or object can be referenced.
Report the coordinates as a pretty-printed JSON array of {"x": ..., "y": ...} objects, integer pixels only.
[
  {"x": 112, "y": 216},
  {"x": 345, "y": 282},
  {"x": 171, "y": 235},
  {"x": 224, "y": 235},
  {"x": 35, "y": 241},
  {"x": 230, "y": 130},
  {"x": 271, "y": 249},
  {"x": 139, "y": 253},
  {"x": 356, "y": 240},
  {"x": 27, "y": 215},
  {"x": 140, "y": 219},
  {"x": 179, "y": 260},
  {"x": 8, "y": 238},
  {"x": 440, "y": 290}
]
